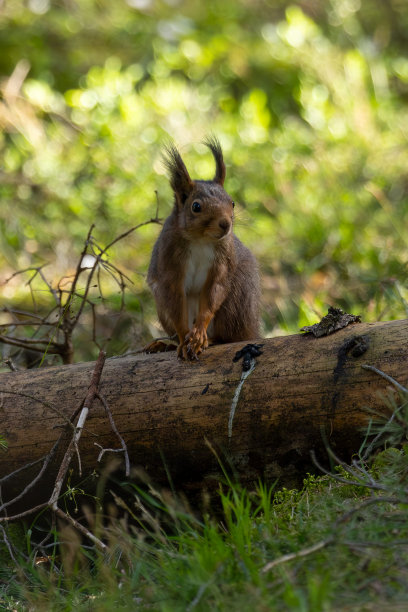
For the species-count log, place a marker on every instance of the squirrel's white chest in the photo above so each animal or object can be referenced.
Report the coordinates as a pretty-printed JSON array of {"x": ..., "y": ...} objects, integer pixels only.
[{"x": 199, "y": 262}]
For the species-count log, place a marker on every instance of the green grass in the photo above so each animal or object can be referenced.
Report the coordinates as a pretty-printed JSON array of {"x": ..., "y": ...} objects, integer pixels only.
[{"x": 338, "y": 543}]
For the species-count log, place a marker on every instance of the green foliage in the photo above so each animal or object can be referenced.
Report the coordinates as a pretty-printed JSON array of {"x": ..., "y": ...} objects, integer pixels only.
[
  {"x": 309, "y": 102},
  {"x": 3, "y": 443},
  {"x": 310, "y": 109}
]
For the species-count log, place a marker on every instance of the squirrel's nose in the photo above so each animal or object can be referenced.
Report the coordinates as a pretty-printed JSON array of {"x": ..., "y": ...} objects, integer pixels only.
[{"x": 224, "y": 225}]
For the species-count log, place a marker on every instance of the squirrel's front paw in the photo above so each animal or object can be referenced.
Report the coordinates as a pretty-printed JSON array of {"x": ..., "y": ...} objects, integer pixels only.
[
  {"x": 195, "y": 342},
  {"x": 182, "y": 351}
]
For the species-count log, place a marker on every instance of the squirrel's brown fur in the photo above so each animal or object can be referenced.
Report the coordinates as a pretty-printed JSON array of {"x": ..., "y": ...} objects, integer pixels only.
[{"x": 204, "y": 280}]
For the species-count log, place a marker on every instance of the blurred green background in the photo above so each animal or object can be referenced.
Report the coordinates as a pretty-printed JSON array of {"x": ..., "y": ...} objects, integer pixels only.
[{"x": 308, "y": 99}]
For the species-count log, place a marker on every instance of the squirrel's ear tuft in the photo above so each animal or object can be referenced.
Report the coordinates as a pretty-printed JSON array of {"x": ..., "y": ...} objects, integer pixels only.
[
  {"x": 180, "y": 180},
  {"x": 213, "y": 144}
]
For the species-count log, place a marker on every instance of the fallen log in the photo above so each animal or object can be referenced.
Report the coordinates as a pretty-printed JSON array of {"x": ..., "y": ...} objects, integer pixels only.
[{"x": 175, "y": 417}]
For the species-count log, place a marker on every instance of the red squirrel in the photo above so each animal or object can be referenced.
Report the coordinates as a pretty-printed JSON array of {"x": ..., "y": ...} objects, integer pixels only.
[{"x": 204, "y": 280}]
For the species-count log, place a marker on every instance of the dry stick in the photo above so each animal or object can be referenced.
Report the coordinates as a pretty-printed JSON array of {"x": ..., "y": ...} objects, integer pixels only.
[
  {"x": 92, "y": 391},
  {"x": 29, "y": 269},
  {"x": 53, "y": 502},
  {"x": 106, "y": 450},
  {"x": 332, "y": 539},
  {"x": 72, "y": 448},
  {"x": 44, "y": 403},
  {"x": 297, "y": 555},
  {"x": 80, "y": 528},
  {"x": 21, "y": 515},
  {"x": 10, "y": 548},
  {"x": 398, "y": 386},
  {"x": 64, "y": 348},
  {"x": 380, "y": 433},
  {"x": 79, "y": 266},
  {"x": 52, "y": 350},
  {"x": 386, "y": 376},
  {"x": 47, "y": 460},
  {"x": 366, "y": 485},
  {"x": 116, "y": 432},
  {"x": 132, "y": 229}
]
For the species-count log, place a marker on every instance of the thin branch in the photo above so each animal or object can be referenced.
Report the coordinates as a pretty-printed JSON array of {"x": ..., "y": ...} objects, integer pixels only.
[
  {"x": 386, "y": 376},
  {"x": 9, "y": 547},
  {"x": 331, "y": 539},
  {"x": 52, "y": 503},
  {"x": 21, "y": 515},
  {"x": 35, "y": 480},
  {"x": 106, "y": 450},
  {"x": 21, "y": 469},
  {"x": 381, "y": 433},
  {"x": 297, "y": 555},
  {"x": 25, "y": 323},
  {"x": 49, "y": 287},
  {"x": 116, "y": 432},
  {"x": 40, "y": 401},
  {"x": 92, "y": 392},
  {"x": 28, "y": 343},
  {"x": 79, "y": 266},
  {"x": 21, "y": 313},
  {"x": 29, "y": 269},
  {"x": 356, "y": 483},
  {"x": 132, "y": 229},
  {"x": 66, "y": 325},
  {"x": 80, "y": 528}
]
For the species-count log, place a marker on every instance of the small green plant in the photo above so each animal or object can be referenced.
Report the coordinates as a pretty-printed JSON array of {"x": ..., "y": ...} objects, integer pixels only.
[{"x": 3, "y": 443}]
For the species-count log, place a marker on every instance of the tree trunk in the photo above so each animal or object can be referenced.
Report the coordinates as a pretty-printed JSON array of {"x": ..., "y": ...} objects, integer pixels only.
[{"x": 176, "y": 416}]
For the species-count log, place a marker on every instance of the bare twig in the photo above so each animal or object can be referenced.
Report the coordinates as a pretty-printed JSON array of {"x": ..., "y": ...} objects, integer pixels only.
[
  {"x": 333, "y": 538},
  {"x": 106, "y": 450},
  {"x": 30, "y": 343},
  {"x": 52, "y": 503},
  {"x": 80, "y": 527},
  {"x": 297, "y": 555},
  {"x": 40, "y": 401},
  {"x": 92, "y": 392},
  {"x": 10, "y": 548},
  {"x": 21, "y": 515},
  {"x": 132, "y": 229},
  {"x": 116, "y": 432},
  {"x": 44, "y": 466},
  {"x": 386, "y": 376},
  {"x": 366, "y": 485},
  {"x": 57, "y": 339},
  {"x": 374, "y": 441}
]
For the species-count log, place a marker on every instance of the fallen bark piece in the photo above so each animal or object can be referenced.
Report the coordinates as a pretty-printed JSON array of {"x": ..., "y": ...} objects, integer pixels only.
[
  {"x": 172, "y": 415},
  {"x": 334, "y": 320}
]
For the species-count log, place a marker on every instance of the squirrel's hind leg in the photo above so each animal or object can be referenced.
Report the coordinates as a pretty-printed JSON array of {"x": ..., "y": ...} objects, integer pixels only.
[{"x": 160, "y": 346}]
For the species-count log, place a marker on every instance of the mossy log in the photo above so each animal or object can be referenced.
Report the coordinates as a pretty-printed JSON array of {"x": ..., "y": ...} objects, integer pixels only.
[{"x": 177, "y": 417}]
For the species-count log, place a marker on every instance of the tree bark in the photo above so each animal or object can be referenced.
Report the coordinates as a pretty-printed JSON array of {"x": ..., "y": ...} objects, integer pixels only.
[{"x": 177, "y": 417}]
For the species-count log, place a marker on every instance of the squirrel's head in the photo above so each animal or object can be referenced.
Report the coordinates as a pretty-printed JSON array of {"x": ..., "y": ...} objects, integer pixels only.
[{"x": 204, "y": 208}]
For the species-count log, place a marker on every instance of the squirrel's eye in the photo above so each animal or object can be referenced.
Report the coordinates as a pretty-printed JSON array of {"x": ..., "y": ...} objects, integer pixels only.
[
  {"x": 233, "y": 204},
  {"x": 196, "y": 207}
]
